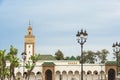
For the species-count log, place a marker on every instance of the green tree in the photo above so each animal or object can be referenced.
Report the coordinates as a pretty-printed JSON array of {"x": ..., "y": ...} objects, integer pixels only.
[
  {"x": 30, "y": 65},
  {"x": 78, "y": 57},
  {"x": 90, "y": 57},
  {"x": 117, "y": 55},
  {"x": 67, "y": 58},
  {"x": 14, "y": 61},
  {"x": 84, "y": 57},
  {"x": 7, "y": 72},
  {"x": 2, "y": 64},
  {"x": 102, "y": 55},
  {"x": 59, "y": 55}
]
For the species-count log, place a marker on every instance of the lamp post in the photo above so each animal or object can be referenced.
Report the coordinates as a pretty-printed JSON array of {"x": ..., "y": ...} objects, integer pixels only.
[
  {"x": 116, "y": 49},
  {"x": 81, "y": 38},
  {"x": 24, "y": 58}
]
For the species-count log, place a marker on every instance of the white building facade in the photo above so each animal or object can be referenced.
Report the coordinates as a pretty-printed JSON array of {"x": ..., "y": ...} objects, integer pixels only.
[
  {"x": 62, "y": 69},
  {"x": 67, "y": 70}
]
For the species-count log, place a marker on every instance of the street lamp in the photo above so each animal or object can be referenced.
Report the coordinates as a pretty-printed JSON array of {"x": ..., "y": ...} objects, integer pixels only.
[
  {"x": 116, "y": 49},
  {"x": 81, "y": 38},
  {"x": 24, "y": 58}
]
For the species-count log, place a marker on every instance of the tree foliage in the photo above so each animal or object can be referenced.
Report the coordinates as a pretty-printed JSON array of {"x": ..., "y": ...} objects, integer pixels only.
[
  {"x": 30, "y": 65},
  {"x": 78, "y": 57},
  {"x": 102, "y": 55},
  {"x": 93, "y": 57},
  {"x": 117, "y": 55},
  {"x": 3, "y": 68},
  {"x": 8, "y": 71},
  {"x": 59, "y": 55},
  {"x": 67, "y": 58},
  {"x": 89, "y": 57},
  {"x": 14, "y": 61}
]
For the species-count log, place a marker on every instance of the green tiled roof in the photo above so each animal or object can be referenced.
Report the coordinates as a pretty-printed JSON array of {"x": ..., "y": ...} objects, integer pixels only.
[
  {"x": 48, "y": 64},
  {"x": 110, "y": 63},
  {"x": 46, "y": 57}
]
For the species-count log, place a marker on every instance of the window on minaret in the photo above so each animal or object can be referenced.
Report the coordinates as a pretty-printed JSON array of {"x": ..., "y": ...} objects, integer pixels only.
[{"x": 29, "y": 33}]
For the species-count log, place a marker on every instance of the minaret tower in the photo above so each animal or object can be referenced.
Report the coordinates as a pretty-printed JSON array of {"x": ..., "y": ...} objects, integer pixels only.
[{"x": 29, "y": 43}]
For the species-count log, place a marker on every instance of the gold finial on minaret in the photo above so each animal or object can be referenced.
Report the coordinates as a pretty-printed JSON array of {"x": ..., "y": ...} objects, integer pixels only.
[{"x": 29, "y": 29}]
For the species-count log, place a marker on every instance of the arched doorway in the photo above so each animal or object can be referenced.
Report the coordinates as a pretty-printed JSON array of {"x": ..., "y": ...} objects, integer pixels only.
[
  {"x": 48, "y": 75},
  {"x": 111, "y": 74}
]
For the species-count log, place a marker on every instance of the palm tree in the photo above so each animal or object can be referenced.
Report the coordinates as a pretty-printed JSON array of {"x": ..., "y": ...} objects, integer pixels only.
[
  {"x": 7, "y": 72},
  {"x": 13, "y": 59},
  {"x": 2, "y": 64},
  {"x": 30, "y": 65}
]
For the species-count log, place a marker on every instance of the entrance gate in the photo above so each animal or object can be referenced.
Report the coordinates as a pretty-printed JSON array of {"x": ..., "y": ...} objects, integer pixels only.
[
  {"x": 111, "y": 74},
  {"x": 48, "y": 71},
  {"x": 48, "y": 75}
]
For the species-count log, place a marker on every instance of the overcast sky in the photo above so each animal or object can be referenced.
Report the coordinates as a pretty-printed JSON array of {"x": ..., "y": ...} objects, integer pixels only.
[{"x": 56, "y": 22}]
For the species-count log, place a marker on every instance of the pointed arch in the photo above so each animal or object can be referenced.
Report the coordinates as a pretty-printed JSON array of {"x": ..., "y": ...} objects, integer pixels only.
[
  {"x": 111, "y": 74},
  {"x": 64, "y": 75},
  {"x": 48, "y": 75},
  {"x": 32, "y": 76},
  {"x": 70, "y": 75},
  {"x": 76, "y": 75},
  {"x": 18, "y": 75},
  {"x": 38, "y": 76},
  {"x": 102, "y": 75},
  {"x": 89, "y": 75},
  {"x": 58, "y": 75},
  {"x": 95, "y": 75}
]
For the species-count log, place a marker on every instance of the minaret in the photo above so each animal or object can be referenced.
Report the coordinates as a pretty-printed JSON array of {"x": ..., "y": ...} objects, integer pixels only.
[{"x": 29, "y": 43}]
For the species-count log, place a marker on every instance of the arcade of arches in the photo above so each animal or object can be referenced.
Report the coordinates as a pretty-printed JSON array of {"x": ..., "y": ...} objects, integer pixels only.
[{"x": 70, "y": 72}]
